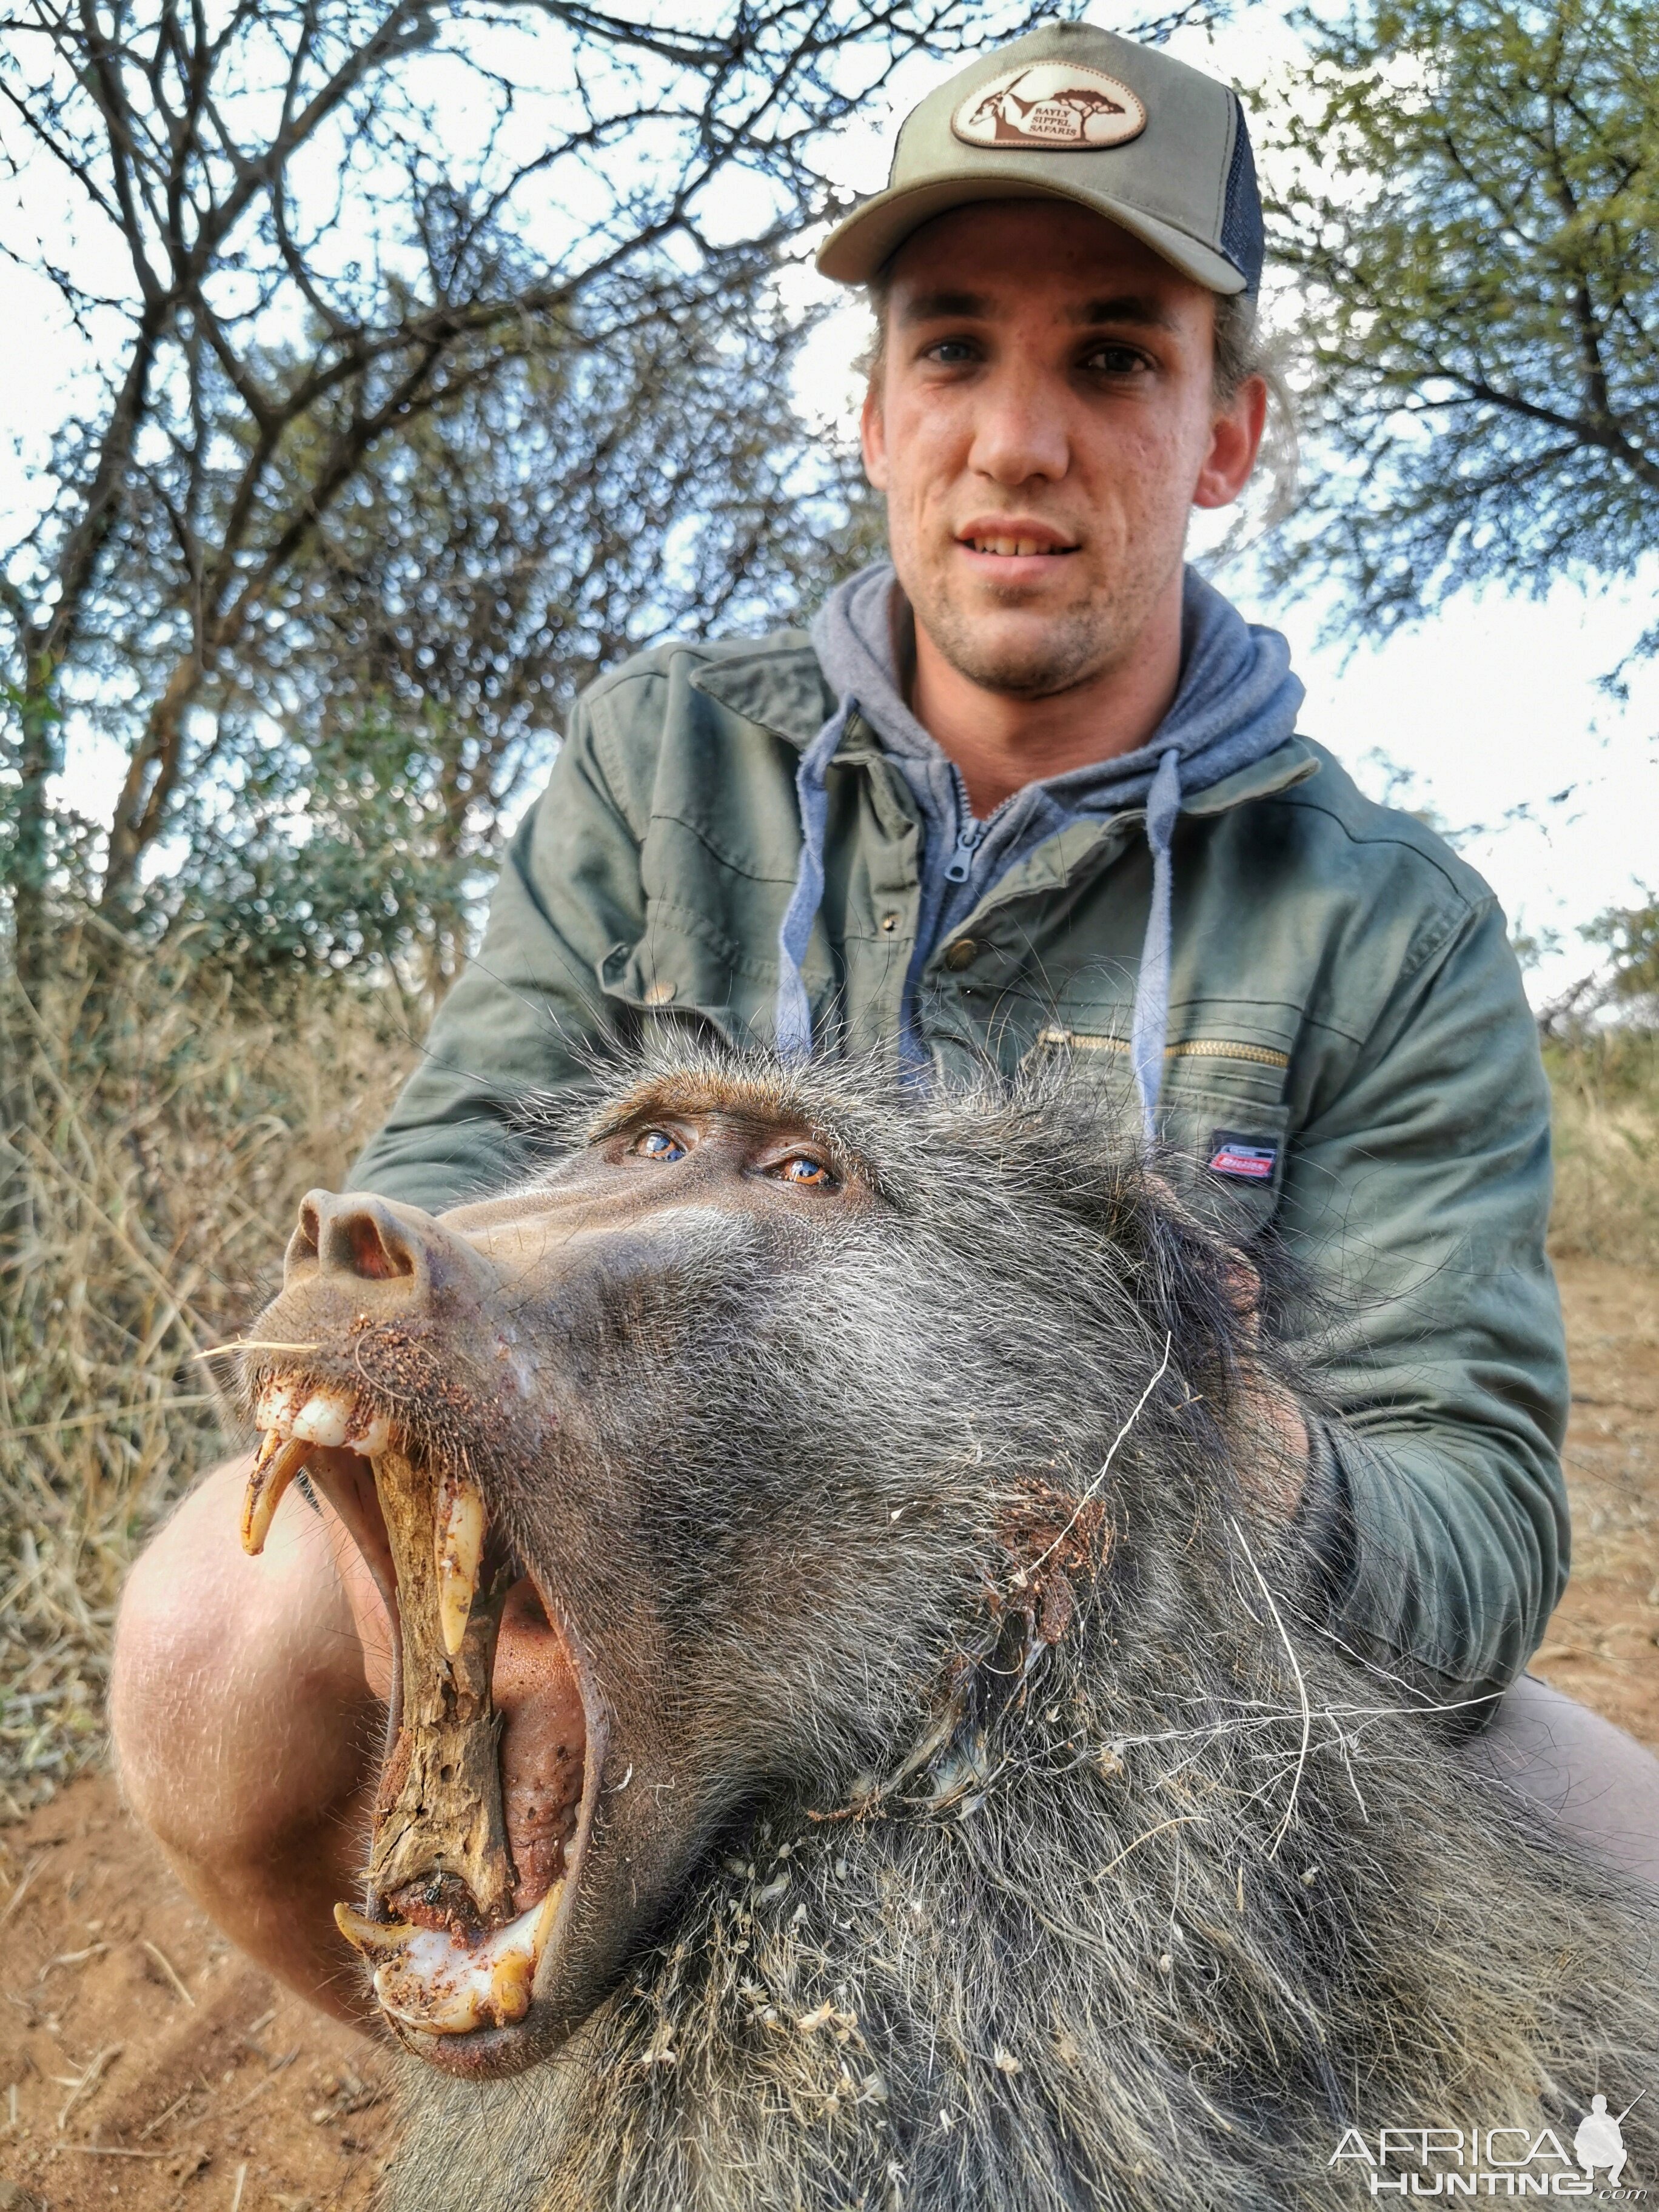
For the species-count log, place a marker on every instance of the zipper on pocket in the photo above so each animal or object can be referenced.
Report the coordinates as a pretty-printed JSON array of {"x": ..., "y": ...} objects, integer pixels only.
[{"x": 1195, "y": 1048}]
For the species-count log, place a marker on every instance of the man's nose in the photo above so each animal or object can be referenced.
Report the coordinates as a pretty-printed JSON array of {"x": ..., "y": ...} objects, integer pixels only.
[
  {"x": 364, "y": 1240},
  {"x": 1019, "y": 430}
]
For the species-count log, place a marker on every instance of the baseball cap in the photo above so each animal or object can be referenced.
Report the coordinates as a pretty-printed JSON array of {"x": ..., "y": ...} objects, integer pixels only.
[{"x": 1073, "y": 112}]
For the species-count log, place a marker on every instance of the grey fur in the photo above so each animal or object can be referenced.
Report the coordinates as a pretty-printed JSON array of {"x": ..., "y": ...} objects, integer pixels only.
[{"x": 1089, "y": 1927}]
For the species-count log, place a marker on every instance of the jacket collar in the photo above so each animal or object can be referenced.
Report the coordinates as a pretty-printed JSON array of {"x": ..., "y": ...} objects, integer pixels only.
[
  {"x": 778, "y": 684},
  {"x": 782, "y": 687}
]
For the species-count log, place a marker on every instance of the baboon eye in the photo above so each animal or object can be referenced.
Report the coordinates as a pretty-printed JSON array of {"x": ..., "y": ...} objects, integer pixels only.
[
  {"x": 802, "y": 1168},
  {"x": 659, "y": 1144}
]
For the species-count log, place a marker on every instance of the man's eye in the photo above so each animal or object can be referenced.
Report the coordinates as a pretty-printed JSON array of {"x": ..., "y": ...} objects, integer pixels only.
[
  {"x": 801, "y": 1168},
  {"x": 1116, "y": 361},
  {"x": 659, "y": 1144},
  {"x": 949, "y": 353}
]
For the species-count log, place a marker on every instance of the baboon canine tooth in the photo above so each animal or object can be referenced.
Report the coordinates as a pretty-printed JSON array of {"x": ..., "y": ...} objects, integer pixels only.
[
  {"x": 382, "y": 1938},
  {"x": 459, "y": 1539},
  {"x": 275, "y": 1465}
]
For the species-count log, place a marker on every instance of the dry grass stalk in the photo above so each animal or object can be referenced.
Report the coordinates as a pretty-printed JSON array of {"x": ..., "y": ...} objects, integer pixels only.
[
  {"x": 155, "y": 1147},
  {"x": 1607, "y": 1147}
]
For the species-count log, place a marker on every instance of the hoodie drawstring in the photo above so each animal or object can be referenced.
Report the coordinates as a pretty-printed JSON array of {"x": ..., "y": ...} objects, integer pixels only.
[
  {"x": 1151, "y": 1014},
  {"x": 792, "y": 1021}
]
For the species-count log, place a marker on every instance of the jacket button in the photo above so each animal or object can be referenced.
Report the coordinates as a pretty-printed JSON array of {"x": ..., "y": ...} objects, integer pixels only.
[
  {"x": 659, "y": 993},
  {"x": 889, "y": 921},
  {"x": 961, "y": 954}
]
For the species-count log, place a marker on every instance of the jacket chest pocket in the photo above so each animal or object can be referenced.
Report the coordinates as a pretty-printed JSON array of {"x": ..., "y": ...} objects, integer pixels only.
[
  {"x": 1228, "y": 1155},
  {"x": 1225, "y": 1138},
  {"x": 675, "y": 977}
]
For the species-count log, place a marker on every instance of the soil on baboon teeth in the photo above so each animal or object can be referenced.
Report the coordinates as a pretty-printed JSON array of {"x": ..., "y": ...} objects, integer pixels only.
[{"x": 234, "y": 2077}]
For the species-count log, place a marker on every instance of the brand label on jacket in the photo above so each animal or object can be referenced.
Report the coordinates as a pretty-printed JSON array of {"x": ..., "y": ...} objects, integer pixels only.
[{"x": 1244, "y": 1159}]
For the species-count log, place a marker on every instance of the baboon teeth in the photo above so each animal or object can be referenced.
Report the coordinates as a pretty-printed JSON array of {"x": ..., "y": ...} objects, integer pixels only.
[
  {"x": 293, "y": 1428},
  {"x": 377, "y": 1938},
  {"x": 459, "y": 1539},
  {"x": 324, "y": 1416},
  {"x": 275, "y": 1410},
  {"x": 434, "y": 1983},
  {"x": 275, "y": 1465}
]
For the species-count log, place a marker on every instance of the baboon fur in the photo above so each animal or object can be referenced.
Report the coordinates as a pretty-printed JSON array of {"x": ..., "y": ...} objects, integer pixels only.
[{"x": 1061, "y": 1858}]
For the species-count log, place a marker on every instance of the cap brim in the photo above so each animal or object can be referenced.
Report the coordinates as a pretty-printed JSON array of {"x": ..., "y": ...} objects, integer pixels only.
[{"x": 857, "y": 248}]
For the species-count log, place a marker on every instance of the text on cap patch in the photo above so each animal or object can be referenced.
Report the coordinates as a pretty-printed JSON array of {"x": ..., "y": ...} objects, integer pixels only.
[{"x": 1056, "y": 107}]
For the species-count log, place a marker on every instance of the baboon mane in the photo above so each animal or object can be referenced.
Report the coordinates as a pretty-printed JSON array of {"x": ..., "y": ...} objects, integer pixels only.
[{"x": 1099, "y": 1874}]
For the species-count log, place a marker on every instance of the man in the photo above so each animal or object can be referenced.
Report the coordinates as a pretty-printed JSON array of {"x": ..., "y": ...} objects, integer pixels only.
[{"x": 1035, "y": 791}]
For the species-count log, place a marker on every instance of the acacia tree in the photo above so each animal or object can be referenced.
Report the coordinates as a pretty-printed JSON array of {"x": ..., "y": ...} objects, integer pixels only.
[
  {"x": 332, "y": 219},
  {"x": 408, "y": 674},
  {"x": 1475, "y": 228}
]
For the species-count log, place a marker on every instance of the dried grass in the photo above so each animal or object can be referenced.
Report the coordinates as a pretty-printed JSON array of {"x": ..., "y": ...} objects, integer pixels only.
[
  {"x": 155, "y": 1153},
  {"x": 1607, "y": 1147},
  {"x": 157, "y": 1135}
]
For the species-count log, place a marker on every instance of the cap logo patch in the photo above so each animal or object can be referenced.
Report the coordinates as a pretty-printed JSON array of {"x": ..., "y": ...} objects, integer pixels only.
[{"x": 1054, "y": 108}]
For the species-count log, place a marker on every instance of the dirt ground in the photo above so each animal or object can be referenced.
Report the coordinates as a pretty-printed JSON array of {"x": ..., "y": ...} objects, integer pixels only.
[
  {"x": 143, "y": 2064},
  {"x": 1602, "y": 1646}
]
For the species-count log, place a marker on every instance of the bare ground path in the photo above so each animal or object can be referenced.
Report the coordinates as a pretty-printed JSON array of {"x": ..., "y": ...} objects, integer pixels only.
[
  {"x": 143, "y": 2064},
  {"x": 1602, "y": 1646}
]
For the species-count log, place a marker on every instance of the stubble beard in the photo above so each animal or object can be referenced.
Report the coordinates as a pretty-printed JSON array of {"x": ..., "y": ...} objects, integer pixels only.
[{"x": 1071, "y": 645}]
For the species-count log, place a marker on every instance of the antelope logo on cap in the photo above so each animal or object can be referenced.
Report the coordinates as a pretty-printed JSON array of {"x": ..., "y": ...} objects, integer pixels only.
[{"x": 1058, "y": 108}]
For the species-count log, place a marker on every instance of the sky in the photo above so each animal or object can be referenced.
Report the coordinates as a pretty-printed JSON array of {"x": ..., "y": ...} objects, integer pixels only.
[{"x": 1489, "y": 718}]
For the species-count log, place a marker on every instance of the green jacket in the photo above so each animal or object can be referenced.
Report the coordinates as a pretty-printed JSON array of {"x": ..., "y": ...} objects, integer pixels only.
[{"x": 1343, "y": 1002}]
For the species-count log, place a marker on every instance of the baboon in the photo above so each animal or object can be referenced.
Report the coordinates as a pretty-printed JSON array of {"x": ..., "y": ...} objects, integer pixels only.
[{"x": 955, "y": 1797}]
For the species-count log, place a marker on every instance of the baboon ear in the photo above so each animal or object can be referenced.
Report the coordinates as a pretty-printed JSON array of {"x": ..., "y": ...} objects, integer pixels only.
[
  {"x": 1168, "y": 1202},
  {"x": 1243, "y": 1279}
]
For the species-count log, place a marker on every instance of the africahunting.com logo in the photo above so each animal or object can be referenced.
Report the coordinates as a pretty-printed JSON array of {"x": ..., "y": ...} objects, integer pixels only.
[{"x": 1495, "y": 2162}]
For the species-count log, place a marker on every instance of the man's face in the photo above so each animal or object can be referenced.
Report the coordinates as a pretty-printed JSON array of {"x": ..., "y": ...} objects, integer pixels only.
[{"x": 1042, "y": 421}]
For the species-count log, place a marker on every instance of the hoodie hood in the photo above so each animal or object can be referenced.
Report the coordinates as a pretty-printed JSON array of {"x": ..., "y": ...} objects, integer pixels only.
[{"x": 1238, "y": 700}]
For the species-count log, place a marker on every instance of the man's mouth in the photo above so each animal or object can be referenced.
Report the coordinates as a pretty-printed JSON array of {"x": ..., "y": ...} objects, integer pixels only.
[
  {"x": 1012, "y": 540},
  {"x": 1015, "y": 548},
  {"x": 483, "y": 1805}
]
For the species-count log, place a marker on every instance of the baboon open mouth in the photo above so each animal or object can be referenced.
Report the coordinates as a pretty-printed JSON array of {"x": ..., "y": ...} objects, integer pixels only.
[{"x": 482, "y": 1808}]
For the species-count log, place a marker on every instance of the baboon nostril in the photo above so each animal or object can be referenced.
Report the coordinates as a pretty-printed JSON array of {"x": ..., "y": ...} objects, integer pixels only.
[
  {"x": 357, "y": 1236},
  {"x": 305, "y": 1245},
  {"x": 373, "y": 1254}
]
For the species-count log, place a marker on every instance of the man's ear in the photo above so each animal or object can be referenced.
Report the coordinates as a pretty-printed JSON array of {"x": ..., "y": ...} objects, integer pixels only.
[
  {"x": 872, "y": 436},
  {"x": 1235, "y": 441}
]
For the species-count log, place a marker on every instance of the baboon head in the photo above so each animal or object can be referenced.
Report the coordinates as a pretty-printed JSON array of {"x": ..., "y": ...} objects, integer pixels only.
[{"x": 724, "y": 1434}]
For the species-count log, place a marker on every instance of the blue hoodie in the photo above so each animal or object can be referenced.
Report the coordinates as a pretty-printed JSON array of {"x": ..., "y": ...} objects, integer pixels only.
[{"x": 1236, "y": 701}]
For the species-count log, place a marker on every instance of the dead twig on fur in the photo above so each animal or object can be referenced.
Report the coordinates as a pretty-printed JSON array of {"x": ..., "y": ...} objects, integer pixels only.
[
  {"x": 1024, "y": 1574},
  {"x": 1283, "y": 1828},
  {"x": 248, "y": 1344}
]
